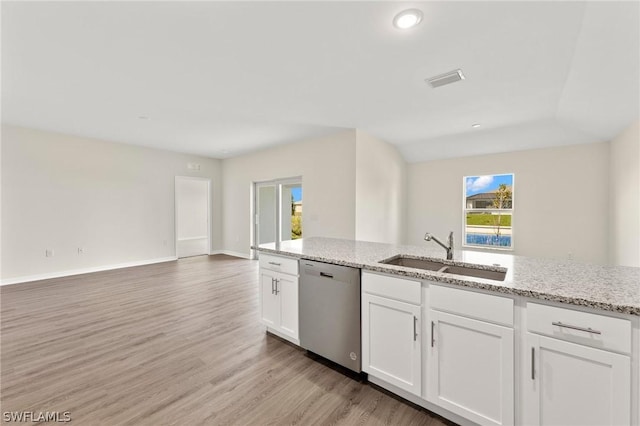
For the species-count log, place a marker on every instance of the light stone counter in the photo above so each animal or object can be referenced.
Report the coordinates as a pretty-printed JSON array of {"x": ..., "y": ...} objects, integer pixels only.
[{"x": 610, "y": 288}]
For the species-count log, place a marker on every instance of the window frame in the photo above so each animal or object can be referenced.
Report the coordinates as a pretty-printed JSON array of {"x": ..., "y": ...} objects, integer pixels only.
[{"x": 465, "y": 210}]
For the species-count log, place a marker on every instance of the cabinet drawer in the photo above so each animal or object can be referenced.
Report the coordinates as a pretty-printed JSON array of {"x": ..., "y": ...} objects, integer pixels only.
[
  {"x": 391, "y": 287},
  {"x": 585, "y": 328},
  {"x": 286, "y": 265},
  {"x": 470, "y": 304}
]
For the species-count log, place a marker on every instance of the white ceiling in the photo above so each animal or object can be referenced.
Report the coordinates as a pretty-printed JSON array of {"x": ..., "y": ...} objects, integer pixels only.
[{"x": 223, "y": 78}]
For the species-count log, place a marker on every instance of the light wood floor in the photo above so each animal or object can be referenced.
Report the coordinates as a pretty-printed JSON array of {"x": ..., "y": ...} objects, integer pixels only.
[{"x": 171, "y": 343}]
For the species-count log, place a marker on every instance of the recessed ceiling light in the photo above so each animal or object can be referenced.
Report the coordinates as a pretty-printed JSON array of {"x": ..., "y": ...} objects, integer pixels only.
[
  {"x": 407, "y": 19},
  {"x": 475, "y": 125}
]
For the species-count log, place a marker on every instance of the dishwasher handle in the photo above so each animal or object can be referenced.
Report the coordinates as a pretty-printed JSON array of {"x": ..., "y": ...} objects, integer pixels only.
[{"x": 324, "y": 274}]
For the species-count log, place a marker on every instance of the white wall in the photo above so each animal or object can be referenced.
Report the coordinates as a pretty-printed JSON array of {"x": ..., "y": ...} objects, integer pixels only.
[
  {"x": 116, "y": 201},
  {"x": 560, "y": 200},
  {"x": 327, "y": 167},
  {"x": 380, "y": 191},
  {"x": 625, "y": 198}
]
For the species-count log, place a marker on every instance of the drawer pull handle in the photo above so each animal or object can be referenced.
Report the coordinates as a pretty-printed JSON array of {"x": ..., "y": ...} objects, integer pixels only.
[
  {"x": 275, "y": 263},
  {"x": 574, "y": 327},
  {"x": 533, "y": 363},
  {"x": 433, "y": 339}
]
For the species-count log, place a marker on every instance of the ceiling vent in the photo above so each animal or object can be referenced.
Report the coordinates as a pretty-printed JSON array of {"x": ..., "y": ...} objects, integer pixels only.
[{"x": 446, "y": 78}]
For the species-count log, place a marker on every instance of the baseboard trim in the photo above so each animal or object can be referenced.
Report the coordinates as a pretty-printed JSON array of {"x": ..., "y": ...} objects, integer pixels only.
[
  {"x": 283, "y": 336},
  {"x": 231, "y": 253},
  {"x": 414, "y": 399},
  {"x": 68, "y": 273},
  {"x": 196, "y": 238}
]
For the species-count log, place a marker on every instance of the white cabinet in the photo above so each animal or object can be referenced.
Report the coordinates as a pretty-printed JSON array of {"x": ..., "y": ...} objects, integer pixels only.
[
  {"x": 470, "y": 363},
  {"x": 279, "y": 297},
  {"x": 269, "y": 300},
  {"x": 287, "y": 290},
  {"x": 566, "y": 381},
  {"x": 391, "y": 343},
  {"x": 569, "y": 384}
]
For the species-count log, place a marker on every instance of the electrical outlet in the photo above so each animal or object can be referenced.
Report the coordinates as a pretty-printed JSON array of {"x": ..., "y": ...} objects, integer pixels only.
[
  {"x": 81, "y": 250},
  {"x": 48, "y": 253}
]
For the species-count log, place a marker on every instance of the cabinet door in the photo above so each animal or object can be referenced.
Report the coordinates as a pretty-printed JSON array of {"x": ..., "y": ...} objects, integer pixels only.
[
  {"x": 287, "y": 291},
  {"x": 391, "y": 341},
  {"x": 569, "y": 384},
  {"x": 269, "y": 300},
  {"x": 470, "y": 368}
]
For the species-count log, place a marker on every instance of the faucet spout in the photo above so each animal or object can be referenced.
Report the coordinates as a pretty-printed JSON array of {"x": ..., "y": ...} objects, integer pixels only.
[{"x": 449, "y": 248}]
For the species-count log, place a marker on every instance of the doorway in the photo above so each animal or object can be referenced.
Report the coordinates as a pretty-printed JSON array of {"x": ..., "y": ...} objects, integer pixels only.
[
  {"x": 278, "y": 211},
  {"x": 192, "y": 198}
]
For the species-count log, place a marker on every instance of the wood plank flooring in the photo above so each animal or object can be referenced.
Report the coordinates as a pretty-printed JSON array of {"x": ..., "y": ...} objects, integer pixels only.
[{"x": 171, "y": 343}]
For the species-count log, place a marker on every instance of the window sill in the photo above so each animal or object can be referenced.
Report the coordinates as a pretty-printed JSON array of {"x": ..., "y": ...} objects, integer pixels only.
[{"x": 484, "y": 248}]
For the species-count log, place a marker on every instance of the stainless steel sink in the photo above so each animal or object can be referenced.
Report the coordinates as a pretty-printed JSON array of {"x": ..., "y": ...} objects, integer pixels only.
[
  {"x": 409, "y": 262},
  {"x": 475, "y": 272},
  {"x": 498, "y": 274}
]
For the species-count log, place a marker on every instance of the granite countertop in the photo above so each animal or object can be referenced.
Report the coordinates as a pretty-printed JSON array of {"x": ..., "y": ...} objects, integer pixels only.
[{"x": 610, "y": 288}]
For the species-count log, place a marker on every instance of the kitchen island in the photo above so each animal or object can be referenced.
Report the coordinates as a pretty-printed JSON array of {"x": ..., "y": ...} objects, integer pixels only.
[
  {"x": 555, "y": 342},
  {"x": 610, "y": 288}
]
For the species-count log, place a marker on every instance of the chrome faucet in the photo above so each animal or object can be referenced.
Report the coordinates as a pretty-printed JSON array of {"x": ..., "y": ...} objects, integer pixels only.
[{"x": 449, "y": 249}]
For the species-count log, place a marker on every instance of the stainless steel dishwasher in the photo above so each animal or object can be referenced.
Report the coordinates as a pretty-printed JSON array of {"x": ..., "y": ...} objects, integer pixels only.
[{"x": 330, "y": 312}]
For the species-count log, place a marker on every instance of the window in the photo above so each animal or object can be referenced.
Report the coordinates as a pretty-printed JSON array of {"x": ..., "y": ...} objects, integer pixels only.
[{"x": 488, "y": 211}]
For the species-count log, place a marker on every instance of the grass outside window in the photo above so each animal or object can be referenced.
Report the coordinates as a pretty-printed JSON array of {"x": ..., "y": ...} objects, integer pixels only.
[{"x": 488, "y": 219}]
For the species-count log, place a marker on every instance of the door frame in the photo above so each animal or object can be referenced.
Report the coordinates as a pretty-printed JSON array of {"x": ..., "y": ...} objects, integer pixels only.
[
  {"x": 175, "y": 211},
  {"x": 254, "y": 210}
]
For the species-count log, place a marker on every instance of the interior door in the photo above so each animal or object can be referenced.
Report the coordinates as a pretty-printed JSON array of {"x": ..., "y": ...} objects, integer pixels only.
[{"x": 192, "y": 216}]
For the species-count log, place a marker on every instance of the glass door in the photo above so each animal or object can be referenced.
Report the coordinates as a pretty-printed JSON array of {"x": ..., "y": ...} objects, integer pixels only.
[
  {"x": 266, "y": 213},
  {"x": 291, "y": 211},
  {"x": 278, "y": 211}
]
